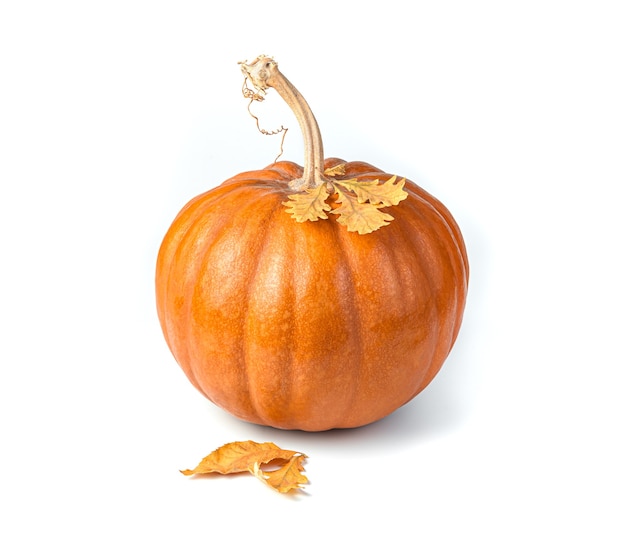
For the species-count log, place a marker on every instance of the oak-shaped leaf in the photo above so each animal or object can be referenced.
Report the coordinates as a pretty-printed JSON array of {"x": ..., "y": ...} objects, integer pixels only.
[
  {"x": 309, "y": 205},
  {"x": 384, "y": 194},
  {"x": 360, "y": 217},
  {"x": 359, "y": 201},
  {"x": 250, "y": 456},
  {"x": 340, "y": 169}
]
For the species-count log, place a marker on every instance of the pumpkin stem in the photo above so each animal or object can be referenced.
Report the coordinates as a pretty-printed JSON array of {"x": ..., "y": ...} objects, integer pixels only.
[{"x": 263, "y": 73}]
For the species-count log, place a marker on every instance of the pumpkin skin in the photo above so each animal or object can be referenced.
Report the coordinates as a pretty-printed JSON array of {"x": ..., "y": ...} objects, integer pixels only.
[{"x": 307, "y": 325}]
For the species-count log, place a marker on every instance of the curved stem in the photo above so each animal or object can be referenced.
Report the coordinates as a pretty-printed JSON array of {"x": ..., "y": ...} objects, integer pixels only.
[{"x": 264, "y": 73}]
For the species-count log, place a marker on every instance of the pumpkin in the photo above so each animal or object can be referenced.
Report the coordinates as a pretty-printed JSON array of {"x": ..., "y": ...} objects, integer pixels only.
[{"x": 300, "y": 322}]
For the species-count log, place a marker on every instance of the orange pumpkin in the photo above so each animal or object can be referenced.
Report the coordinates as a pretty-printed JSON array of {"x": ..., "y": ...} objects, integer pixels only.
[{"x": 306, "y": 324}]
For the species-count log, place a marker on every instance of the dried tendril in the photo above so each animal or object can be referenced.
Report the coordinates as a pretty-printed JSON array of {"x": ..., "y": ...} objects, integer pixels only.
[{"x": 259, "y": 96}]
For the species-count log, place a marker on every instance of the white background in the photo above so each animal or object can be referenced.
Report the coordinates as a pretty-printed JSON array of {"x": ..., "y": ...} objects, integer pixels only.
[{"x": 113, "y": 114}]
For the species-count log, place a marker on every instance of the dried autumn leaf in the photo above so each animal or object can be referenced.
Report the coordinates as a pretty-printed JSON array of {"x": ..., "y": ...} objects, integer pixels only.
[
  {"x": 360, "y": 217},
  {"x": 286, "y": 478},
  {"x": 340, "y": 169},
  {"x": 309, "y": 205},
  {"x": 250, "y": 456},
  {"x": 385, "y": 194},
  {"x": 359, "y": 201},
  {"x": 240, "y": 457}
]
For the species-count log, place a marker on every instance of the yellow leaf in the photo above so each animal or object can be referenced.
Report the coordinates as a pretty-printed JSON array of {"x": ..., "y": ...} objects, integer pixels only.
[
  {"x": 309, "y": 205},
  {"x": 239, "y": 457},
  {"x": 286, "y": 478},
  {"x": 360, "y": 217},
  {"x": 340, "y": 169},
  {"x": 250, "y": 456},
  {"x": 386, "y": 194}
]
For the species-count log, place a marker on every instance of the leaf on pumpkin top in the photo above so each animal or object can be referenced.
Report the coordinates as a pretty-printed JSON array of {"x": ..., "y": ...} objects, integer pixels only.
[
  {"x": 250, "y": 456},
  {"x": 309, "y": 205},
  {"x": 360, "y": 217},
  {"x": 386, "y": 194},
  {"x": 340, "y": 169},
  {"x": 359, "y": 201}
]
